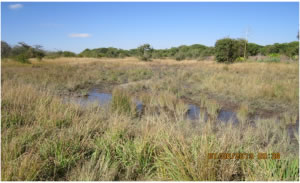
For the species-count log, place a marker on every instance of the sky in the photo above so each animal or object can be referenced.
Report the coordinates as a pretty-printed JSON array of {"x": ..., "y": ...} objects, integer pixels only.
[{"x": 76, "y": 26}]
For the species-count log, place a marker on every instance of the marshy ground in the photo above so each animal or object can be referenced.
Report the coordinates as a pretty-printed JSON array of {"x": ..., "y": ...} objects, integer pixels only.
[{"x": 46, "y": 137}]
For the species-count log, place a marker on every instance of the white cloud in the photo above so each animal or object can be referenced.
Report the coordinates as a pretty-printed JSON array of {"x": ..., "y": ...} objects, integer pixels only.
[
  {"x": 15, "y": 6},
  {"x": 81, "y": 35}
]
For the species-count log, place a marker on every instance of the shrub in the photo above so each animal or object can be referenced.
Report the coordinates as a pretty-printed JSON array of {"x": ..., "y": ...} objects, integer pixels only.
[
  {"x": 253, "y": 49},
  {"x": 5, "y": 50},
  {"x": 52, "y": 55},
  {"x": 69, "y": 54},
  {"x": 226, "y": 50},
  {"x": 122, "y": 55},
  {"x": 240, "y": 59},
  {"x": 23, "y": 58},
  {"x": 179, "y": 56},
  {"x": 274, "y": 55},
  {"x": 145, "y": 52},
  {"x": 157, "y": 54},
  {"x": 39, "y": 55},
  {"x": 273, "y": 59},
  {"x": 207, "y": 52},
  {"x": 295, "y": 57}
]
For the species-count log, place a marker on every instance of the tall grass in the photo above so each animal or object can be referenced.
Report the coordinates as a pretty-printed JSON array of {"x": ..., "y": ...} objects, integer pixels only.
[
  {"x": 45, "y": 138},
  {"x": 122, "y": 103},
  {"x": 58, "y": 141}
]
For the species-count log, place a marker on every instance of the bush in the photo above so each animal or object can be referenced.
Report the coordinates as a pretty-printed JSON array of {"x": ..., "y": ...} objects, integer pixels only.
[
  {"x": 253, "y": 49},
  {"x": 270, "y": 59},
  {"x": 68, "y": 54},
  {"x": 23, "y": 58},
  {"x": 179, "y": 56},
  {"x": 52, "y": 55},
  {"x": 39, "y": 55},
  {"x": 289, "y": 49},
  {"x": 273, "y": 59},
  {"x": 240, "y": 59},
  {"x": 145, "y": 52},
  {"x": 295, "y": 57},
  {"x": 5, "y": 50},
  {"x": 226, "y": 50},
  {"x": 157, "y": 54},
  {"x": 274, "y": 55}
]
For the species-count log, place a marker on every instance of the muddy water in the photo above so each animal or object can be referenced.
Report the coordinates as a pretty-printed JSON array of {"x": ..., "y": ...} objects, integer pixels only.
[
  {"x": 103, "y": 99},
  {"x": 193, "y": 113},
  {"x": 226, "y": 116},
  {"x": 95, "y": 95}
]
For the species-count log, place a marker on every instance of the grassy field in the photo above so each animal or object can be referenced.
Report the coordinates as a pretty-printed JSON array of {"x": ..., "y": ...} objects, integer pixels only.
[{"x": 45, "y": 138}]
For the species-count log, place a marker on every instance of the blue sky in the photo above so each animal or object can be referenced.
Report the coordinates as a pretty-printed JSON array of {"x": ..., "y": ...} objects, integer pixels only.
[{"x": 76, "y": 26}]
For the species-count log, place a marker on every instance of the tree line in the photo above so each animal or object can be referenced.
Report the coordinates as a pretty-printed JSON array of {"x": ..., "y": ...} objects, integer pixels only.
[
  {"x": 22, "y": 52},
  {"x": 230, "y": 50},
  {"x": 224, "y": 50}
]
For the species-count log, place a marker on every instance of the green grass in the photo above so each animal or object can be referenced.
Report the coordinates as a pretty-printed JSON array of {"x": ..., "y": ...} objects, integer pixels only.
[{"x": 122, "y": 103}]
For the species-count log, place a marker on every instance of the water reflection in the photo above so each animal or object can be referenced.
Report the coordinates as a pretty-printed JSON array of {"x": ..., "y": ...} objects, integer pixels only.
[
  {"x": 194, "y": 112},
  {"x": 226, "y": 116}
]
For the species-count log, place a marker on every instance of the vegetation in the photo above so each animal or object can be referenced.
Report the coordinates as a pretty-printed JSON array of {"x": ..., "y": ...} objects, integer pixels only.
[
  {"x": 45, "y": 138},
  {"x": 145, "y": 52},
  {"x": 289, "y": 49},
  {"x": 22, "y": 52},
  {"x": 196, "y": 51},
  {"x": 122, "y": 102},
  {"x": 5, "y": 50},
  {"x": 22, "y": 57},
  {"x": 230, "y": 50},
  {"x": 225, "y": 50},
  {"x": 253, "y": 49},
  {"x": 104, "y": 52},
  {"x": 57, "y": 54}
]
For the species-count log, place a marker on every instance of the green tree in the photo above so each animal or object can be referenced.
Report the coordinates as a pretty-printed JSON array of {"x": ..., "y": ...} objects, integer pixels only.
[
  {"x": 209, "y": 51},
  {"x": 180, "y": 55},
  {"x": 292, "y": 49},
  {"x": 68, "y": 54},
  {"x": 22, "y": 52},
  {"x": 145, "y": 52},
  {"x": 38, "y": 52},
  {"x": 241, "y": 45},
  {"x": 172, "y": 51},
  {"x": 5, "y": 50},
  {"x": 157, "y": 54},
  {"x": 226, "y": 50},
  {"x": 23, "y": 58},
  {"x": 253, "y": 49}
]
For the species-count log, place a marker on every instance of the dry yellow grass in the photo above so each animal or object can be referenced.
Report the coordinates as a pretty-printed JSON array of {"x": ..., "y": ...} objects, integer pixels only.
[
  {"x": 44, "y": 138},
  {"x": 265, "y": 87}
]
